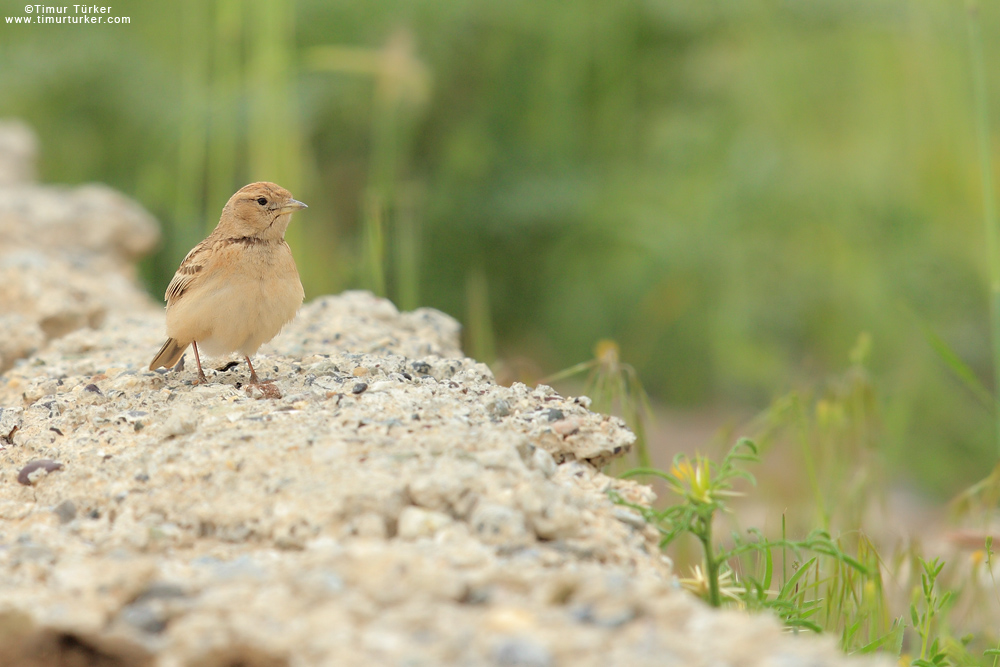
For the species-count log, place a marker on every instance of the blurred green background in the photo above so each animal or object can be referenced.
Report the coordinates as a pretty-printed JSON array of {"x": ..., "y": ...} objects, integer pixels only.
[{"x": 733, "y": 190}]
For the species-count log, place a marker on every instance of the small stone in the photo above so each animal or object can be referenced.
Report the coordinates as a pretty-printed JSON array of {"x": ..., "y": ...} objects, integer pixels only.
[
  {"x": 180, "y": 422},
  {"x": 66, "y": 511},
  {"x": 554, "y": 414},
  {"x": 29, "y": 552},
  {"x": 521, "y": 652},
  {"x": 415, "y": 522},
  {"x": 549, "y": 512},
  {"x": 610, "y": 615},
  {"x": 161, "y": 590},
  {"x": 499, "y": 524},
  {"x": 630, "y": 517},
  {"x": 94, "y": 389},
  {"x": 359, "y": 388},
  {"x": 31, "y": 473},
  {"x": 421, "y": 367},
  {"x": 498, "y": 408},
  {"x": 136, "y": 418},
  {"x": 566, "y": 427},
  {"x": 543, "y": 462},
  {"x": 143, "y": 617},
  {"x": 359, "y": 372},
  {"x": 370, "y": 525}
]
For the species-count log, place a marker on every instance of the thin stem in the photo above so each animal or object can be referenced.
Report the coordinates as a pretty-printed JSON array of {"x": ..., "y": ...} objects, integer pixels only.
[
  {"x": 980, "y": 95},
  {"x": 711, "y": 561}
]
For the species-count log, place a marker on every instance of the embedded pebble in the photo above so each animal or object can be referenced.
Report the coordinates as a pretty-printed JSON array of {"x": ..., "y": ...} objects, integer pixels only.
[
  {"x": 499, "y": 524},
  {"x": 630, "y": 517},
  {"x": 543, "y": 462},
  {"x": 179, "y": 422},
  {"x": 35, "y": 470},
  {"x": 521, "y": 652},
  {"x": 417, "y": 522},
  {"x": 66, "y": 511}
]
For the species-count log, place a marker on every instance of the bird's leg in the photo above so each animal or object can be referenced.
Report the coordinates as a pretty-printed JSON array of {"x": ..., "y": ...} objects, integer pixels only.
[
  {"x": 253, "y": 374},
  {"x": 201, "y": 373}
]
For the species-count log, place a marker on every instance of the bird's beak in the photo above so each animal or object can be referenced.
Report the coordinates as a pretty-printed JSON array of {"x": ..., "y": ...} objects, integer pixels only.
[{"x": 291, "y": 206}]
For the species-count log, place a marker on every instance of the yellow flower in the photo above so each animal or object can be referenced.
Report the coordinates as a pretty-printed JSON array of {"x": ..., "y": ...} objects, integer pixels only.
[
  {"x": 607, "y": 354},
  {"x": 696, "y": 479}
]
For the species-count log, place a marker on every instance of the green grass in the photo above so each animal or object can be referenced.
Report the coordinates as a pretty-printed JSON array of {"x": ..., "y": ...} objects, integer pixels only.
[
  {"x": 987, "y": 176},
  {"x": 837, "y": 576}
]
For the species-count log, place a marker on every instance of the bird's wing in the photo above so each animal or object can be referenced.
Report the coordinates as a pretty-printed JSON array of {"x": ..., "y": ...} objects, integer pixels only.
[{"x": 187, "y": 273}]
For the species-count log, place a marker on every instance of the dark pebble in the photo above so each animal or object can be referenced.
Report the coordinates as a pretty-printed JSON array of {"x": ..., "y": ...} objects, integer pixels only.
[
  {"x": 66, "y": 511},
  {"x": 231, "y": 364},
  {"x": 476, "y": 596},
  {"x": 521, "y": 652},
  {"x": 421, "y": 367},
  {"x": 143, "y": 617},
  {"x": 54, "y": 429},
  {"x": 94, "y": 389},
  {"x": 48, "y": 465},
  {"x": 499, "y": 408},
  {"x": 160, "y": 590},
  {"x": 555, "y": 415},
  {"x": 142, "y": 477},
  {"x": 359, "y": 388}
]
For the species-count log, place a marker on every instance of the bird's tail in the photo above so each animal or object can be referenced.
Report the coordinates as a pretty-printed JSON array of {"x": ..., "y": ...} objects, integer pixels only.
[{"x": 168, "y": 355}]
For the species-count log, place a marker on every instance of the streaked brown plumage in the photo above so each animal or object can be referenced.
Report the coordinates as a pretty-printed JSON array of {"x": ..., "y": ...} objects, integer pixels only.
[{"x": 236, "y": 289}]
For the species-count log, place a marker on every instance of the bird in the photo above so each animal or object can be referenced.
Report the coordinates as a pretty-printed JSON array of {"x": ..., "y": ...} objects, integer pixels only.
[{"x": 236, "y": 289}]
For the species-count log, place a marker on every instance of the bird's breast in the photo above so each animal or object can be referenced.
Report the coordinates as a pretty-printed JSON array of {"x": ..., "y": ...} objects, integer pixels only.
[{"x": 245, "y": 303}]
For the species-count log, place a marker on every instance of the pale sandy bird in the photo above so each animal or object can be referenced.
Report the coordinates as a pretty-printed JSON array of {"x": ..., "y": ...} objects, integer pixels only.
[{"x": 236, "y": 289}]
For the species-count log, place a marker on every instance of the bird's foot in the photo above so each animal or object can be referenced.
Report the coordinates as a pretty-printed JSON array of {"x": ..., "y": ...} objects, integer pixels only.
[{"x": 267, "y": 389}]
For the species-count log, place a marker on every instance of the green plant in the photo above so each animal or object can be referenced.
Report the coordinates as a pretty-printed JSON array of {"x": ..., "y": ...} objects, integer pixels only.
[
  {"x": 705, "y": 489},
  {"x": 923, "y": 613}
]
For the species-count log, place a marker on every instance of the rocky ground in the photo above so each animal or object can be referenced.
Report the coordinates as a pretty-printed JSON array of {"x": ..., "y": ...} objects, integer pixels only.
[{"x": 387, "y": 503}]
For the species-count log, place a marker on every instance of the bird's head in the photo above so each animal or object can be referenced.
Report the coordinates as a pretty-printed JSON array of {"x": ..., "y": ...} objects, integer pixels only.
[{"x": 261, "y": 210}]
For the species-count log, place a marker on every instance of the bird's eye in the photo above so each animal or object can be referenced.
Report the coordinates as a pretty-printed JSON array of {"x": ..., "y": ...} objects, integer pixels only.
[{"x": 261, "y": 201}]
